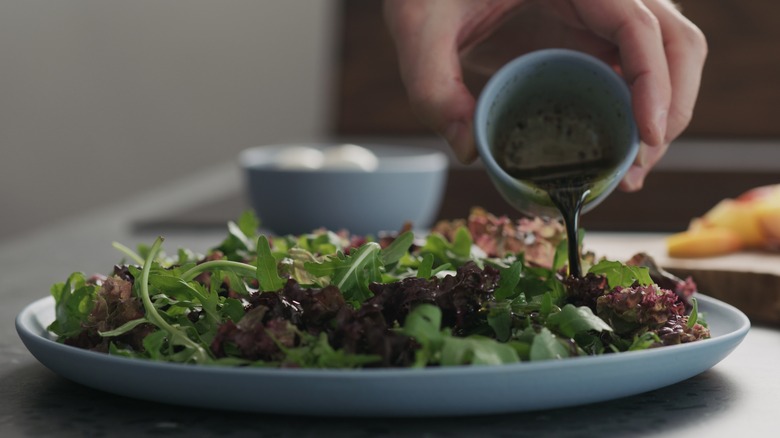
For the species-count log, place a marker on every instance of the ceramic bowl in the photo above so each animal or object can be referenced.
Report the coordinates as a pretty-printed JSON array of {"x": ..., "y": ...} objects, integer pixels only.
[
  {"x": 555, "y": 75},
  {"x": 367, "y": 189}
]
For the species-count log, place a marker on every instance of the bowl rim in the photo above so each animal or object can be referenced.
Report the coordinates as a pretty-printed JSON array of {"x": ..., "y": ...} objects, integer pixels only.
[{"x": 426, "y": 159}]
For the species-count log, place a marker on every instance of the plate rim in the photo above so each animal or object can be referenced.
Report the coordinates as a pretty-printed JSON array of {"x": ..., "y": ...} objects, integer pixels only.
[{"x": 725, "y": 343}]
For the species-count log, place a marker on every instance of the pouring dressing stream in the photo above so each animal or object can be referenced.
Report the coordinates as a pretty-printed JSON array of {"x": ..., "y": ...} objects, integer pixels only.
[{"x": 556, "y": 133}]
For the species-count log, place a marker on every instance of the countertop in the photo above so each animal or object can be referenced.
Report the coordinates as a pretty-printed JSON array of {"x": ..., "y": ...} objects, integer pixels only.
[{"x": 739, "y": 395}]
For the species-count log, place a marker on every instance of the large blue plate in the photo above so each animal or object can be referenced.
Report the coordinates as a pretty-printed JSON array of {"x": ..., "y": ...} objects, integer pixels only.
[{"x": 446, "y": 391}]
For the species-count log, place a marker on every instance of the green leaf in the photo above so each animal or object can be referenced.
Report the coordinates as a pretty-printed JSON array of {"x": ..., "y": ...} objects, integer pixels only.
[
  {"x": 644, "y": 341},
  {"x": 296, "y": 264},
  {"x": 351, "y": 273},
  {"x": 523, "y": 349},
  {"x": 461, "y": 244},
  {"x": 233, "y": 309},
  {"x": 124, "y": 328},
  {"x": 561, "y": 257},
  {"x": 572, "y": 320},
  {"x": 693, "y": 318},
  {"x": 424, "y": 325},
  {"x": 622, "y": 275},
  {"x": 546, "y": 306},
  {"x": 510, "y": 278},
  {"x": 267, "y": 274},
  {"x": 240, "y": 240},
  {"x": 318, "y": 353},
  {"x": 441, "y": 268},
  {"x": 476, "y": 350},
  {"x": 546, "y": 346},
  {"x": 74, "y": 301},
  {"x": 155, "y": 343},
  {"x": 129, "y": 253},
  {"x": 249, "y": 223},
  {"x": 457, "y": 252},
  {"x": 236, "y": 232},
  {"x": 425, "y": 269},
  {"x": 500, "y": 320},
  {"x": 192, "y": 350},
  {"x": 557, "y": 291},
  {"x": 400, "y": 246}
]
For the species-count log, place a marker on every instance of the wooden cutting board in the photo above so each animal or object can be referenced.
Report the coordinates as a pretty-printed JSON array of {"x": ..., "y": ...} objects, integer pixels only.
[{"x": 749, "y": 281}]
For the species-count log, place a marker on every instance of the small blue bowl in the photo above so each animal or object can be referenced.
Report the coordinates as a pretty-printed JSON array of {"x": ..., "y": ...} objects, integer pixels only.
[
  {"x": 406, "y": 184},
  {"x": 554, "y": 74}
]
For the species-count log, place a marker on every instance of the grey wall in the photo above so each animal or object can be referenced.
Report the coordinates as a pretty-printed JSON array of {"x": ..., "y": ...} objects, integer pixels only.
[{"x": 99, "y": 98}]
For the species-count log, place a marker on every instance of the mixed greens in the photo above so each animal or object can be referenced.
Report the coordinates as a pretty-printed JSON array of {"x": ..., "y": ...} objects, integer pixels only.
[{"x": 485, "y": 290}]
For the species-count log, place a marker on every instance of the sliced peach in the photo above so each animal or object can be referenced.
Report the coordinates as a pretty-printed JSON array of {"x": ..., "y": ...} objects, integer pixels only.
[
  {"x": 706, "y": 242},
  {"x": 768, "y": 217},
  {"x": 760, "y": 193},
  {"x": 738, "y": 216},
  {"x": 697, "y": 224}
]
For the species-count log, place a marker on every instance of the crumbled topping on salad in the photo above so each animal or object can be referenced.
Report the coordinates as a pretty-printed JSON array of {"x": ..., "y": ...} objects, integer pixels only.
[{"x": 498, "y": 236}]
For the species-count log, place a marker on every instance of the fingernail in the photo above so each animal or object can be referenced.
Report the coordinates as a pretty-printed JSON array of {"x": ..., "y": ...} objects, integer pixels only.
[
  {"x": 634, "y": 179},
  {"x": 659, "y": 126},
  {"x": 641, "y": 156},
  {"x": 453, "y": 135}
]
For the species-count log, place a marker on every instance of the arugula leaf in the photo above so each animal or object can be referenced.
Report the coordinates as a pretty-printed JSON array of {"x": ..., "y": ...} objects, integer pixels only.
[
  {"x": 572, "y": 320},
  {"x": 500, "y": 320},
  {"x": 476, "y": 350},
  {"x": 267, "y": 273},
  {"x": 316, "y": 352},
  {"x": 424, "y": 325},
  {"x": 351, "y": 273},
  {"x": 439, "y": 347},
  {"x": 232, "y": 309},
  {"x": 457, "y": 252},
  {"x": 508, "y": 281},
  {"x": 622, "y": 275},
  {"x": 295, "y": 265},
  {"x": 461, "y": 243},
  {"x": 248, "y": 223},
  {"x": 191, "y": 351},
  {"x": 546, "y": 305},
  {"x": 240, "y": 240},
  {"x": 561, "y": 256},
  {"x": 693, "y": 317},
  {"x": 124, "y": 328},
  {"x": 546, "y": 346},
  {"x": 400, "y": 246},
  {"x": 425, "y": 269},
  {"x": 129, "y": 253},
  {"x": 644, "y": 341}
]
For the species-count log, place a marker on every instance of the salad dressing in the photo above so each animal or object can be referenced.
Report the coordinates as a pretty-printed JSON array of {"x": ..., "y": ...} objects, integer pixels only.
[{"x": 562, "y": 151}]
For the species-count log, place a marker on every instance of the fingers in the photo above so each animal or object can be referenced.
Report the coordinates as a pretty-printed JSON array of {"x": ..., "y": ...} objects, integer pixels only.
[
  {"x": 662, "y": 57},
  {"x": 647, "y": 157},
  {"x": 686, "y": 51},
  {"x": 425, "y": 37},
  {"x": 636, "y": 31}
]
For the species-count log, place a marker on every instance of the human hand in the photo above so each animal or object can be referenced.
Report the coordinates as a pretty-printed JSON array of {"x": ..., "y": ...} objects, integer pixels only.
[{"x": 650, "y": 43}]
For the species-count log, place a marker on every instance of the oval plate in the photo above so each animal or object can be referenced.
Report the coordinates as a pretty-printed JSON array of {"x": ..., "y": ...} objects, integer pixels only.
[{"x": 446, "y": 391}]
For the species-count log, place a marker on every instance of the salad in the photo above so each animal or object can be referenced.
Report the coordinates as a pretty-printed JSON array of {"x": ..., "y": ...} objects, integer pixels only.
[{"x": 484, "y": 290}]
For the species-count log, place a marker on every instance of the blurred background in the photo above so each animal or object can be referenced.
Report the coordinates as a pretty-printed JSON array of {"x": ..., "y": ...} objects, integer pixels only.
[{"x": 101, "y": 99}]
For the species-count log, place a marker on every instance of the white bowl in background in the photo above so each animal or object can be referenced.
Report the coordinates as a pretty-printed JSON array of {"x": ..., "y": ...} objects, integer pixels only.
[{"x": 298, "y": 188}]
